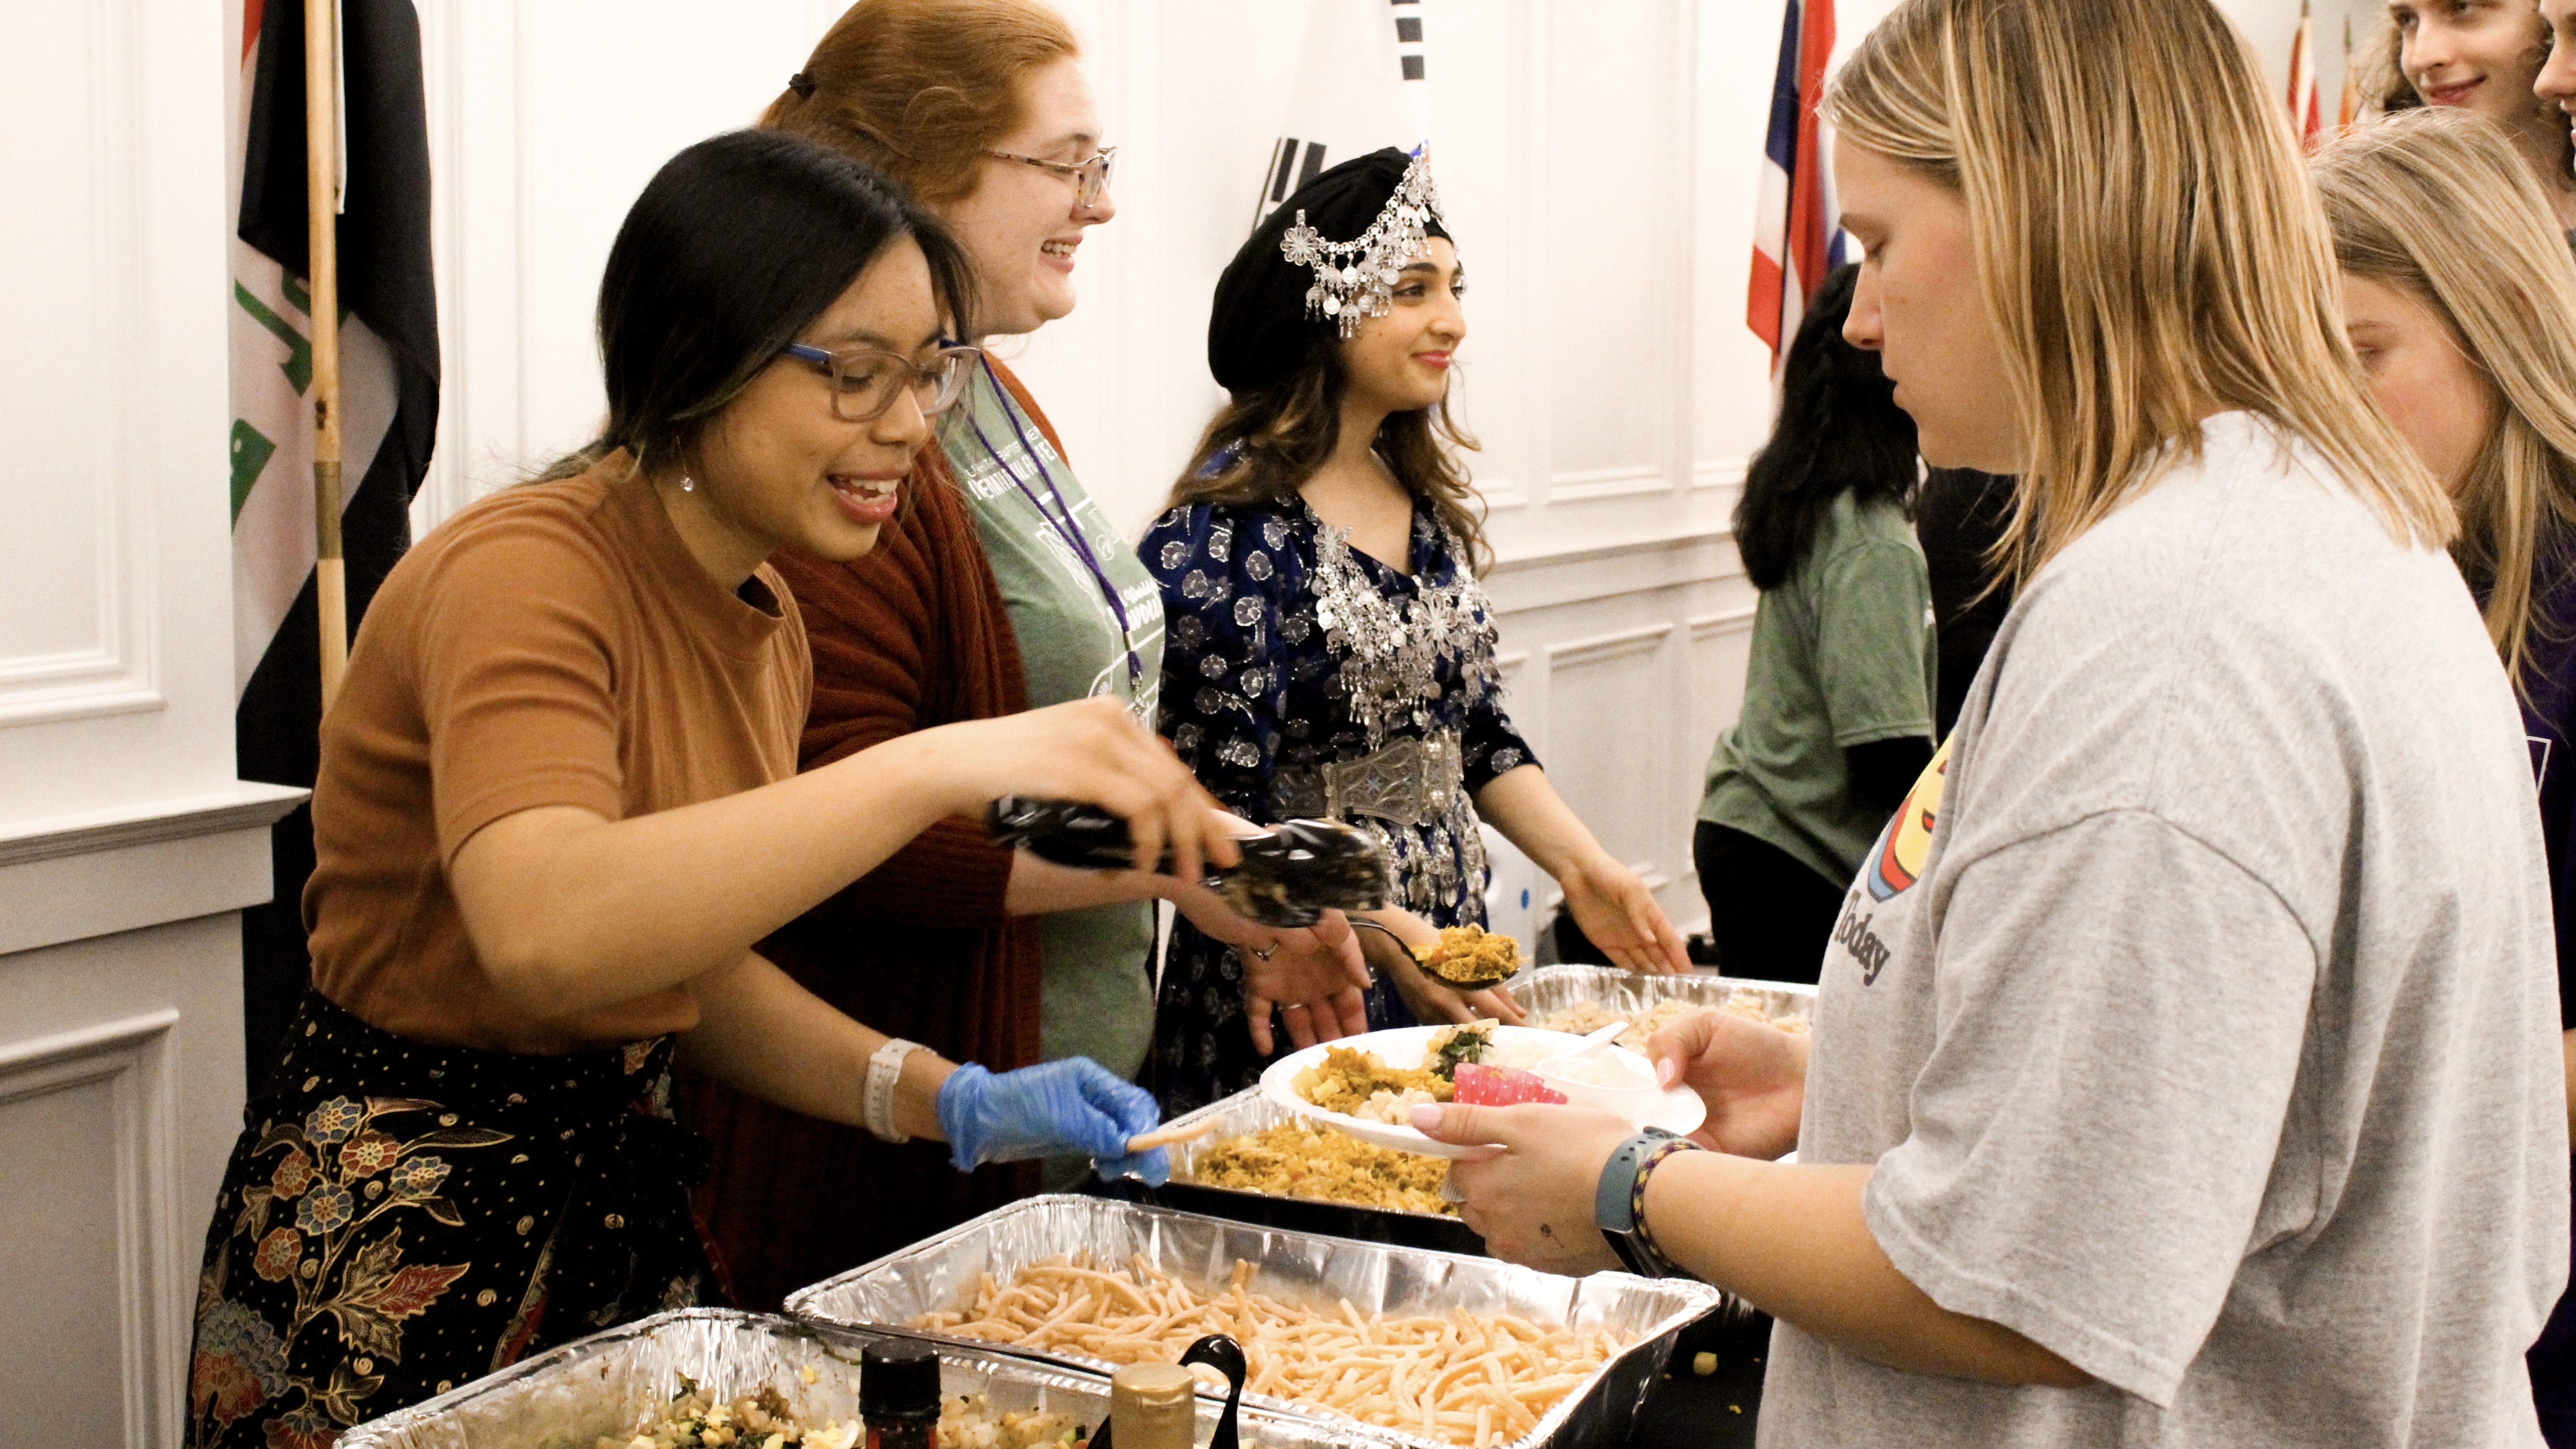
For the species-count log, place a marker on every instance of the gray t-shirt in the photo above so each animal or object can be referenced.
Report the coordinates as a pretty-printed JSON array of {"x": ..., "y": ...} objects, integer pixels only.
[{"x": 2199, "y": 1010}]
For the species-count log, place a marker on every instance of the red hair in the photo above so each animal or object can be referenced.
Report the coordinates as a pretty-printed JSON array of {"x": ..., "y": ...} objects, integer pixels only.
[{"x": 920, "y": 88}]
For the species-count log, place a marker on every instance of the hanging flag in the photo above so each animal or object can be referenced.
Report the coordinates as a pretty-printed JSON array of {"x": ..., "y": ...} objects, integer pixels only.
[
  {"x": 1359, "y": 88},
  {"x": 2304, "y": 116},
  {"x": 1795, "y": 240},
  {"x": 2350, "y": 110},
  {"x": 388, "y": 411}
]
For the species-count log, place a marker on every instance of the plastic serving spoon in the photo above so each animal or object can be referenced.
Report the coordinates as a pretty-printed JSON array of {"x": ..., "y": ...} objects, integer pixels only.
[{"x": 1594, "y": 1041}]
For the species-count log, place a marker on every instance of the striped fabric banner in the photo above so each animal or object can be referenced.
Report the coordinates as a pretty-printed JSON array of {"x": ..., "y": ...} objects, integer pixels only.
[
  {"x": 389, "y": 371},
  {"x": 2305, "y": 116},
  {"x": 1795, "y": 241},
  {"x": 1360, "y": 87}
]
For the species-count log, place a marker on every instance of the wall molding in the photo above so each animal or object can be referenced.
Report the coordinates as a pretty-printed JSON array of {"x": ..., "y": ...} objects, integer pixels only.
[
  {"x": 1724, "y": 621},
  {"x": 1602, "y": 648},
  {"x": 1592, "y": 573},
  {"x": 130, "y": 1057},
  {"x": 1590, "y": 483},
  {"x": 76, "y": 877},
  {"x": 1612, "y": 551},
  {"x": 249, "y": 805},
  {"x": 1719, "y": 472}
]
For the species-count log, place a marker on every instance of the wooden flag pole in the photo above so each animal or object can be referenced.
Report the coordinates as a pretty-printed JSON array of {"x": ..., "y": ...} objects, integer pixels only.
[{"x": 322, "y": 207}]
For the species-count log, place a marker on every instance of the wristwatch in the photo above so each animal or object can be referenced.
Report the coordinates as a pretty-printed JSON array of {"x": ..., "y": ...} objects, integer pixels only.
[{"x": 1615, "y": 1204}]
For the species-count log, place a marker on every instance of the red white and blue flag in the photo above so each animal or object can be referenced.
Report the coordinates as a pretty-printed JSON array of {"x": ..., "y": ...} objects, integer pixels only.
[{"x": 1795, "y": 241}]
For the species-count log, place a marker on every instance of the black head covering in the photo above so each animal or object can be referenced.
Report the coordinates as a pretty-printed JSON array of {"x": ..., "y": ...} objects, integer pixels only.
[{"x": 1259, "y": 333}]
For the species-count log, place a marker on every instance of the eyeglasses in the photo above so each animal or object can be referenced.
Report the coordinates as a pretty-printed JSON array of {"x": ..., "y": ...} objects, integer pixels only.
[
  {"x": 1090, "y": 178},
  {"x": 867, "y": 380}
]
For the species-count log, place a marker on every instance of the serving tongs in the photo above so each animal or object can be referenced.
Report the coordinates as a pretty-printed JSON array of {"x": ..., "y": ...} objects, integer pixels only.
[{"x": 1288, "y": 877}]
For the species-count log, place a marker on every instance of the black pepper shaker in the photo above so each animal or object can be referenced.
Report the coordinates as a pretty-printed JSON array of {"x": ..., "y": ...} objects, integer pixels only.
[{"x": 899, "y": 1395}]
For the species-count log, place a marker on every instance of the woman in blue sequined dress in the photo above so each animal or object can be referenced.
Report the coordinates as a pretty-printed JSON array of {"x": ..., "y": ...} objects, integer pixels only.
[{"x": 1329, "y": 652}]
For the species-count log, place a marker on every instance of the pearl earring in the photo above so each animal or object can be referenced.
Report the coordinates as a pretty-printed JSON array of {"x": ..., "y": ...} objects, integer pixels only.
[{"x": 688, "y": 484}]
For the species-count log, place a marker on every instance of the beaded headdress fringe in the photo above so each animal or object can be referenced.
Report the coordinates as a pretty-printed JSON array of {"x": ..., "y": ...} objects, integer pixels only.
[{"x": 1356, "y": 278}]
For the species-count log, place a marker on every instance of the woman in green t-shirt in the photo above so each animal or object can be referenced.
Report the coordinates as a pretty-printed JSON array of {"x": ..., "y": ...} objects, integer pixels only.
[{"x": 1837, "y": 716}]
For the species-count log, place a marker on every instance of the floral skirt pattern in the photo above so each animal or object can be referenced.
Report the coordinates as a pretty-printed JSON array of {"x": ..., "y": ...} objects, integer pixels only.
[{"x": 399, "y": 1218}]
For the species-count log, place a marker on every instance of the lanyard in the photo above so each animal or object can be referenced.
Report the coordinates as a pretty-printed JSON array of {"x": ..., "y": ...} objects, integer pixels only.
[{"x": 1066, "y": 526}]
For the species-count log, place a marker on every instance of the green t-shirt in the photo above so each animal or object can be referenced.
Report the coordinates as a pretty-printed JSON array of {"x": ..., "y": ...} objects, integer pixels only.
[
  {"x": 1099, "y": 991},
  {"x": 1842, "y": 655}
]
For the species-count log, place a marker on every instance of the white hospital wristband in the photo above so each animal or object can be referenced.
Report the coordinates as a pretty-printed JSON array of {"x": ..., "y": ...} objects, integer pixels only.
[{"x": 876, "y": 1106}]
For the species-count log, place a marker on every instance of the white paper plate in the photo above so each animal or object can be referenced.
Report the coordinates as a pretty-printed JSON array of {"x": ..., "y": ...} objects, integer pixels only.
[{"x": 1677, "y": 1110}]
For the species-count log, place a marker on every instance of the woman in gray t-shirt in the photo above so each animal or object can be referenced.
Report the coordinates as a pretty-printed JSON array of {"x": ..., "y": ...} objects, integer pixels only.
[{"x": 2186, "y": 1066}]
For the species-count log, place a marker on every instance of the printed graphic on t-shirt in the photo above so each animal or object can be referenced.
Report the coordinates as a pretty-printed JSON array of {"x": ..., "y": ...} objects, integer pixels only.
[{"x": 1898, "y": 858}]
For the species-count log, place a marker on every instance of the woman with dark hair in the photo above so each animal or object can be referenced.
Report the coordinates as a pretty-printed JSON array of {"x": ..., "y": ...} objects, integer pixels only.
[
  {"x": 557, "y": 809},
  {"x": 1959, "y": 519},
  {"x": 1001, "y": 585},
  {"x": 1837, "y": 716},
  {"x": 1331, "y": 652}
]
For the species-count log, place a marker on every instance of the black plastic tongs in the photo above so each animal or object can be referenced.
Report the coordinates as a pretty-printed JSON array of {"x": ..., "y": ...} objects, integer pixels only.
[{"x": 1288, "y": 877}]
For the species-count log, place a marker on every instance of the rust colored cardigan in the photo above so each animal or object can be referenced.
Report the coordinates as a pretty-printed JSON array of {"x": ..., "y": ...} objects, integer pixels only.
[{"x": 910, "y": 636}]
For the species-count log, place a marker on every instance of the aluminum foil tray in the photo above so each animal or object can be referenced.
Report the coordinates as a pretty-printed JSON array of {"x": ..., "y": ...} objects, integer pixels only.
[
  {"x": 941, "y": 1273},
  {"x": 607, "y": 1383},
  {"x": 1544, "y": 989},
  {"x": 1249, "y": 1111}
]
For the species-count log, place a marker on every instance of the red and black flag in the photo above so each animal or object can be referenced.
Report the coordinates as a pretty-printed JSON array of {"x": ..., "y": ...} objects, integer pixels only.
[{"x": 388, "y": 411}]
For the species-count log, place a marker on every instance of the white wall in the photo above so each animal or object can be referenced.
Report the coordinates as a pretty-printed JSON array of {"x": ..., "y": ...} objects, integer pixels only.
[
  {"x": 126, "y": 846},
  {"x": 1597, "y": 162}
]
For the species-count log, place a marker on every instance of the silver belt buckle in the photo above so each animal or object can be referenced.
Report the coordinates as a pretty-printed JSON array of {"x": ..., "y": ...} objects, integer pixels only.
[{"x": 1410, "y": 782}]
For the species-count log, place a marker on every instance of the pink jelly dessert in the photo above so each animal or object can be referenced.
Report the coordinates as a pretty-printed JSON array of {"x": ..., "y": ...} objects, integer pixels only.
[{"x": 1484, "y": 1086}]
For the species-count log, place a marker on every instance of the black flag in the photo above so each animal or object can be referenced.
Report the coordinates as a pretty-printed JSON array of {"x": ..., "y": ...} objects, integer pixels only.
[{"x": 389, "y": 412}]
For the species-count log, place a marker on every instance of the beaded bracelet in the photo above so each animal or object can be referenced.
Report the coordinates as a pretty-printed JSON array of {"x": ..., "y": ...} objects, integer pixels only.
[{"x": 1667, "y": 1268}]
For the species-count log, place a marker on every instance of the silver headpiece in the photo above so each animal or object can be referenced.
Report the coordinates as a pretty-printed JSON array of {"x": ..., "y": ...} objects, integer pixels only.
[{"x": 1356, "y": 278}]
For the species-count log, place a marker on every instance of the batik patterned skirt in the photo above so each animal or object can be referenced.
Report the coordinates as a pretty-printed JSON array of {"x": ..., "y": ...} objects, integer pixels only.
[{"x": 400, "y": 1218}]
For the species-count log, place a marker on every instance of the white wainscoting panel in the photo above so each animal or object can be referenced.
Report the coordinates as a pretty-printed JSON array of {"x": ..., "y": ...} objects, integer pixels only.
[
  {"x": 114, "y": 568},
  {"x": 120, "y": 1097},
  {"x": 94, "y": 1107},
  {"x": 1610, "y": 671}
]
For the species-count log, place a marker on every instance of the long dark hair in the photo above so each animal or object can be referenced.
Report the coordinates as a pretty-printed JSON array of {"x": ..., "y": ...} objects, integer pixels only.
[
  {"x": 736, "y": 244},
  {"x": 1840, "y": 431},
  {"x": 1264, "y": 444}
]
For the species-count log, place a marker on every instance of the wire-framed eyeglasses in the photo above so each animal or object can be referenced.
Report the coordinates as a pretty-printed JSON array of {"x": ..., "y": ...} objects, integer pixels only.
[
  {"x": 867, "y": 380},
  {"x": 1090, "y": 178}
]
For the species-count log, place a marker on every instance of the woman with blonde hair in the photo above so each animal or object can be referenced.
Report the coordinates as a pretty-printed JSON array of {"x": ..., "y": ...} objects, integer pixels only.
[
  {"x": 2460, "y": 300},
  {"x": 2185, "y": 1068}
]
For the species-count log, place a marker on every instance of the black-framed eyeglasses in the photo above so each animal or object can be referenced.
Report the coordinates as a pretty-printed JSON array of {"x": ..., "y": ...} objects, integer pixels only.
[
  {"x": 1090, "y": 178},
  {"x": 867, "y": 380}
]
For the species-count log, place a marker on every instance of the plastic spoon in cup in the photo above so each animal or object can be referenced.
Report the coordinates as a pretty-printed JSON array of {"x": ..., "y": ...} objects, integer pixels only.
[{"x": 1594, "y": 1041}]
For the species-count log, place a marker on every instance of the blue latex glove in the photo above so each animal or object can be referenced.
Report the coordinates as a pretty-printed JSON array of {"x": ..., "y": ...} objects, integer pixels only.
[{"x": 1075, "y": 1105}]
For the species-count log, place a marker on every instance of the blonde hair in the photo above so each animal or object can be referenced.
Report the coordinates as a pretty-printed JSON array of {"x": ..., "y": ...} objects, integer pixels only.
[
  {"x": 2149, "y": 250},
  {"x": 2437, "y": 205},
  {"x": 2378, "y": 72}
]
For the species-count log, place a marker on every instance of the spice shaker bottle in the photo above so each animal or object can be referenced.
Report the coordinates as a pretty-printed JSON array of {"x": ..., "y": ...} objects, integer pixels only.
[
  {"x": 1152, "y": 1406},
  {"x": 899, "y": 1395}
]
